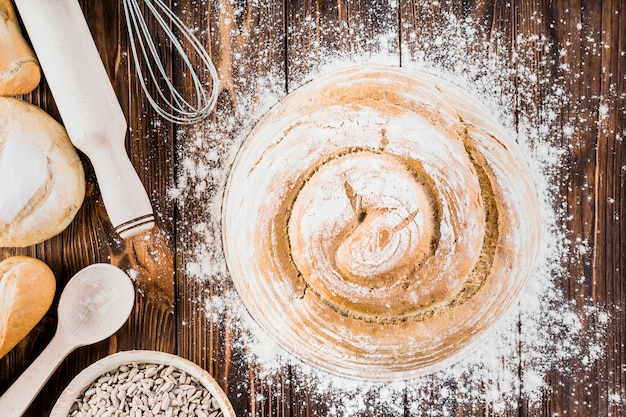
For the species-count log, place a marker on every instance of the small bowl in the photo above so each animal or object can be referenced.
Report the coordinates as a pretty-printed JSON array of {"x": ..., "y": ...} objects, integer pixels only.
[{"x": 84, "y": 379}]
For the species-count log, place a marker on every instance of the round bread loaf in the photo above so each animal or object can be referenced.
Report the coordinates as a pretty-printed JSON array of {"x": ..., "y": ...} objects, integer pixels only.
[
  {"x": 378, "y": 222},
  {"x": 42, "y": 182},
  {"x": 27, "y": 287}
]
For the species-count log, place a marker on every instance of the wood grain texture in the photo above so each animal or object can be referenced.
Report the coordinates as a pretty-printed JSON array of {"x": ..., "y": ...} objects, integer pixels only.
[{"x": 269, "y": 48}]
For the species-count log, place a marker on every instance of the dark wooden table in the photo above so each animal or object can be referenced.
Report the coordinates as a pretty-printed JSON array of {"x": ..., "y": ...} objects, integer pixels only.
[{"x": 578, "y": 46}]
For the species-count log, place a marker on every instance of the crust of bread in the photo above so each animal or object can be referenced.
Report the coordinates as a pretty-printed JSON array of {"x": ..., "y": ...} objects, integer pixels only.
[
  {"x": 19, "y": 69},
  {"x": 27, "y": 287}
]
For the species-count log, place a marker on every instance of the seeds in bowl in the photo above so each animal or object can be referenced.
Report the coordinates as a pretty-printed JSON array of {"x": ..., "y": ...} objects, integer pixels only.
[{"x": 146, "y": 390}]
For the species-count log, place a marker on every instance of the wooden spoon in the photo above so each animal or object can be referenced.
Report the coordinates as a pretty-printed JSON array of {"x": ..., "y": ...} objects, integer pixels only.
[{"x": 96, "y": 302}]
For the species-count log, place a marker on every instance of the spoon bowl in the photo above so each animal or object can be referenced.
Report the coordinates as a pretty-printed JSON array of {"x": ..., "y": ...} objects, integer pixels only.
[{"x": 95, "y": 303}]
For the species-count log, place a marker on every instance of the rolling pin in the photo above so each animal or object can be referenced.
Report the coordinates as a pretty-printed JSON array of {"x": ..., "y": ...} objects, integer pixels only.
[{"x": 88, "y": 106}]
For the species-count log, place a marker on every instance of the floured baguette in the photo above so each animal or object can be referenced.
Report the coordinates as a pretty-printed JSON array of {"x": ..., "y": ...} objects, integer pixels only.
[
  {"x": 42, "y": 182},
  {"x": 19, "y": 70},
  {"x": 27, "y": 287}
]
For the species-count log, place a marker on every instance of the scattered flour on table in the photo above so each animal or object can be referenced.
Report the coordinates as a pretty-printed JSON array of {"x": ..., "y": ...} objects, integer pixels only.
[{"x": 545, "y": 331}]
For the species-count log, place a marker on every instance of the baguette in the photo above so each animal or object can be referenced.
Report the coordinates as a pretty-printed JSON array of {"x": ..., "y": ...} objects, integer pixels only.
[
  {"x": 19, "y": 69},
  {"x": 27, "y": 287}
]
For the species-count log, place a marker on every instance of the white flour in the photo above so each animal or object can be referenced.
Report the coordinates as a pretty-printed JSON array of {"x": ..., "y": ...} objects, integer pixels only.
[
  {"x": 99, "y": 304},
  {"x": 538, "y": 337}
]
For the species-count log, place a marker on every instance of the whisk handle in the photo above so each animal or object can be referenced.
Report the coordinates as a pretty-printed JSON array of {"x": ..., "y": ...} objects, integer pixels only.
[{"x": 88, "y": 106}]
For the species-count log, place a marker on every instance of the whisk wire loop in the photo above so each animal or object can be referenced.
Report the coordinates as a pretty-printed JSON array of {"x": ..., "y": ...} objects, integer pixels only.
[
  {"x": 143, "y": 36},
  {"x": 169, "y": 103}
]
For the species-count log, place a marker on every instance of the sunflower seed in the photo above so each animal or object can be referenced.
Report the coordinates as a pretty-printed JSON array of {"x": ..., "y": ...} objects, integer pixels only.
[{"x": 145, "y": 390}]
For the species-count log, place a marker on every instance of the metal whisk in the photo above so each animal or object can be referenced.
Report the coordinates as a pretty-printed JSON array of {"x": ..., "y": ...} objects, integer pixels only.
[{"x": 168, "y": 101}]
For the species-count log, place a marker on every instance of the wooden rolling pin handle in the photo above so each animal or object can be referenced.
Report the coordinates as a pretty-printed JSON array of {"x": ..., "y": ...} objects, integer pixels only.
[
  {"x": 88, "y": 106},
  {"x": 124, "y": 197}
]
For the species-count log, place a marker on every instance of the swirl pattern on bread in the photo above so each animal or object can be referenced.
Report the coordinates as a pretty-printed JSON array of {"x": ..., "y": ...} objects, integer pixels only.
[{"x": 378, "y": 221}]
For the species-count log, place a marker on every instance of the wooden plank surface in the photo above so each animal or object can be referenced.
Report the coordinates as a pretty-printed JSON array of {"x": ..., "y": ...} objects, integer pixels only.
[{"x": 265, "y": 49}]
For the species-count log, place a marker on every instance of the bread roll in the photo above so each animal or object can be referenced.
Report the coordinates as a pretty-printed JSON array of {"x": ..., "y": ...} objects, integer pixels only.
[
  {"x": 42, "y": 182},
  {"x": 19, "y": 69},
  {"x": 27, "y": 287},
  {"x": 379, "y": 221}
]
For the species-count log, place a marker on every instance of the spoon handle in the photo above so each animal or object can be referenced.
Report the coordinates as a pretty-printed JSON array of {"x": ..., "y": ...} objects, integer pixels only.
[{"x": 15, "y": 401}]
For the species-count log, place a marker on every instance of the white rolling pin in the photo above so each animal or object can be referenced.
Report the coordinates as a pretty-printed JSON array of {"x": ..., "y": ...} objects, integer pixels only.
[{"x": 88, "y": 106}]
